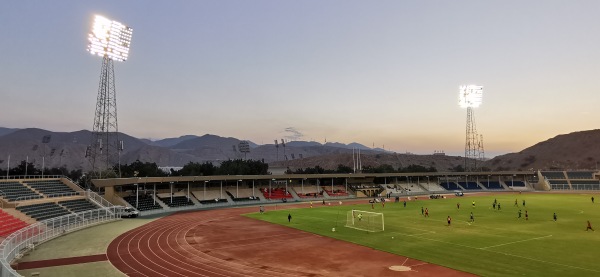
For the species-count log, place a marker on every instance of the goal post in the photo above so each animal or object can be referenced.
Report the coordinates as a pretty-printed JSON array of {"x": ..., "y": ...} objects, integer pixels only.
[{"x": 366, "y": 221}]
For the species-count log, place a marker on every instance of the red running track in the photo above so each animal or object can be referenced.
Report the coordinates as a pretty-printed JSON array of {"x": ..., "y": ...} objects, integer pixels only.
[{"x": 223, "y": 243}]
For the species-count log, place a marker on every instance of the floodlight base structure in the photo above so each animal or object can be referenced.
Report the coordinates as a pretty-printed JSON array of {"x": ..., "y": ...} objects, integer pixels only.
[
  {"x": 471, "y": 142},
  {"x": 104, "y": 151}
]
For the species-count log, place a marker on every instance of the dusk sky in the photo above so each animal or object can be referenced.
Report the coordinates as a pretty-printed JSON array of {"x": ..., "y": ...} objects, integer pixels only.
[{"x": 373, "y": 72}]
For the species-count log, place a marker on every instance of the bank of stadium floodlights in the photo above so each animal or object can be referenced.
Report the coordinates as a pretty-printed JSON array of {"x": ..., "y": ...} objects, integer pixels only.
[
  {"x": 110, "y": 40},
  {"x": 470, "y": 97}
]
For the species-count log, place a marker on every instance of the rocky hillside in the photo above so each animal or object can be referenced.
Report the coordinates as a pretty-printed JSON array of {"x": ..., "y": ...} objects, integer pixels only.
[{"x": 574, "y": 151}]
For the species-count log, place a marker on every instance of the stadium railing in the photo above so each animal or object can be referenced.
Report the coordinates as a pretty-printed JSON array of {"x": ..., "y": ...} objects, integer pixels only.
[
  {"x": 24, "y": 240},
  {"x": 12, "y": 177}
]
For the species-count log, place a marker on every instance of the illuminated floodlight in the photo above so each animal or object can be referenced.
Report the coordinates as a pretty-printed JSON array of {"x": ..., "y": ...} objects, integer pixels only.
[
  {"x": 470, "y": 96},
  {"x": 109, "y": 38}
]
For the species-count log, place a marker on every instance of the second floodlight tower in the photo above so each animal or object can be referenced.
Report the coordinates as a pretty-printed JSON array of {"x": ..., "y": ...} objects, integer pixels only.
[
  {"x": 110, "y": 40},
  {"x": 470, "y": 96}
]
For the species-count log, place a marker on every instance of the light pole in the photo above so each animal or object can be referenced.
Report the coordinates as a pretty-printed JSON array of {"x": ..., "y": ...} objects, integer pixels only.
[
  {"x": 237, "y": 190},
  {"x": 273, "y": 180}
]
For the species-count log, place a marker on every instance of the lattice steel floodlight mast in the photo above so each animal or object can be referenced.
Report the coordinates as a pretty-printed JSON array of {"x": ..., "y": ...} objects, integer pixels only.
[
  {"x": 110, "y": 40},
  {"x": 470, "y": 97},
  {"x": 244, "y": 147}
]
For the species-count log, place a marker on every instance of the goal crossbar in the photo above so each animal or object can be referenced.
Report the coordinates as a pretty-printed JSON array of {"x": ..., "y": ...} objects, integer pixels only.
[{"x": 365, "y": 220}]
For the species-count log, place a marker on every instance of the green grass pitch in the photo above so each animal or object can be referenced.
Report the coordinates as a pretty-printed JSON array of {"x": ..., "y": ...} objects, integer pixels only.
[{"x": 496, "y": 244}]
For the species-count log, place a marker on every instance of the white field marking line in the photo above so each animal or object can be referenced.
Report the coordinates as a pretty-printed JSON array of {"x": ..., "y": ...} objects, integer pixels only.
[
  {"x": 411, "y": 235},
  {"x": 542, "y": 261},
  {"x": 417, "y": 229},
  {"x": 517, "y": 256},
  {"x": 405, "y": 260},
  {"x": 502, "y": 244},
  {"x": 312, "y": 217}
]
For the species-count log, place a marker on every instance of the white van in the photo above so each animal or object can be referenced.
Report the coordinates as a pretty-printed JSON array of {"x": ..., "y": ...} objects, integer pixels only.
[{"x": 129, "y": 212}]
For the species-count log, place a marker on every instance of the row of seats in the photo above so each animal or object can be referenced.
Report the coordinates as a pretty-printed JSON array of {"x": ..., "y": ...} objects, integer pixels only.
[
  {"x": 276, "y": 193},
  {"x": 43, "y": 211},
  {"x": 469, "y": 185},
  {"x": 553, "y": 174},
  {"x": 10, "y": 224},
  {"x": 450, "y": 186},
  {"x": 78, "y": 205},
  {"x": 51, "y": 188},
  {"x": 335, "y": 192},
  {"x": 12, "y": 191},
  {"x": 569, "y": 174},
  {"x": 144, "y": 202},
  {"x": 241, "y": 199},
  {"x": 492, "y": 185},
  {"x": 515, "y": 183},
  {"x": 177, "y": 201}
]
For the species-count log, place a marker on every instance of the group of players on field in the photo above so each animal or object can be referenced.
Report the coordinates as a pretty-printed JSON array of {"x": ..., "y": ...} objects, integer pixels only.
[{"x": 496, "y": 205}]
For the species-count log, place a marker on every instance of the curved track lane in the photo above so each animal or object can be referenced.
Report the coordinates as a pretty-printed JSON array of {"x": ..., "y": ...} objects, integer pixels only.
[{"x": 223, "y": 243}]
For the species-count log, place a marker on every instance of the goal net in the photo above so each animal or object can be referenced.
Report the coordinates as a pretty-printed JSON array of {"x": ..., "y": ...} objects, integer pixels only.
[{"x": 363, "y": 220}]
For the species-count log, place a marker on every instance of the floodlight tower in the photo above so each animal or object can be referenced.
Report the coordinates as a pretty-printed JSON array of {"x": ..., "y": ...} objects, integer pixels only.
[
  {"x": 470, "y": 97},
  {"x": 109, "y": 40}
]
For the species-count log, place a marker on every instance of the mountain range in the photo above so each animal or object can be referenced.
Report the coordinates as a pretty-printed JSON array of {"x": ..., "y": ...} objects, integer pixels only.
[
  {"x": 578, "y": 150},
  {"x": 67, "y": 149}
]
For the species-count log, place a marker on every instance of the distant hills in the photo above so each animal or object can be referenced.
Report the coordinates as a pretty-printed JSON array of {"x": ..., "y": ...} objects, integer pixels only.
[
  {"x": 578, "y": 150},
  {"x": 574, "y": 151},
  {"x": 68, "y": 149},
  {"x": 5, "y": 131}
]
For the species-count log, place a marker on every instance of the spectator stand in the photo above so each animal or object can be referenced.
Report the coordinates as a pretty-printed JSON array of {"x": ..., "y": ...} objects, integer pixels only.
[
  {"x": 585, "y": 184},
  {"x": 450, "y": 186},
  {"x": 10, "y": 224},
  {"x": 559, "y": 184},
  {"x": 277, "y": 193},
  {"x": 243, "y": 195},
  {"x": 308, "y": 192},
  {"x": 50, "y": 188},
  {"x": 516, "y": 185},
  {"x": 211, "y": 197},
  {"x": 433, "y": 187},
  {"x": 469, "y": 185},
  {"x": 366, "y": 190},
  {"x": 16, "y": 191},
  {"x": 144, "y": 202},
  {"x": 337, "y": 192},
  {"x": 176, "y": 199},
  {"x": 492, "y": 185}
]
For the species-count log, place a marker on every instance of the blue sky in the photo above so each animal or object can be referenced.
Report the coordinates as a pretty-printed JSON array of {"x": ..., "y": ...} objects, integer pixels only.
[{"x": 374, "y": 72}]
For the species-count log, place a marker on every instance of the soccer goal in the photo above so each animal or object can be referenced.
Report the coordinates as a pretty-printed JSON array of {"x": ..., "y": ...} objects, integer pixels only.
[{"x": 363, "y": 220}]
